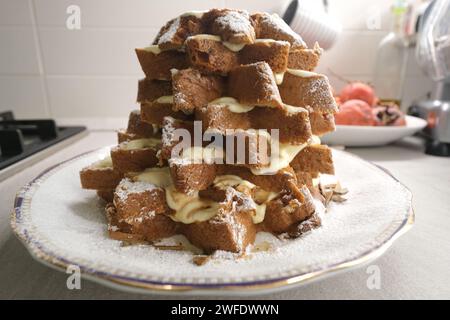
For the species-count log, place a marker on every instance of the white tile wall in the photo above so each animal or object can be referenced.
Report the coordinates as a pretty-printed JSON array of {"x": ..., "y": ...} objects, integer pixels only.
[
  {"x": 24, "y": 95},
  {"x": 354, "y": 53},
  {"x": 91, "y": 96},
  {"x": 119, "y": 13},
  {"x": 48, "y": 70},
  {"x": 258, "y": 5},
  {"x": 355, "y": 14},
  {"x": 16, "y": 12},
  {"x": 93, "y": 51},
  {"x": 18, "y": 53}
]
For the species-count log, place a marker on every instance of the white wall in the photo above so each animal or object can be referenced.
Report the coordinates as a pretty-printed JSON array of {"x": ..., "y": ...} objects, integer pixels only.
[
  {"x": 47, "y": 70},
  {"x": 353, "y": 57}
]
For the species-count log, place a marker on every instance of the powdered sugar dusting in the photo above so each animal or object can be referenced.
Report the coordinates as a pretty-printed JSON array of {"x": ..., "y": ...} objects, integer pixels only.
[
  {"x": 237, "y": 22},
  {"x": 168, "y": 131},
  {"x": 281, "y": 29},
  {"x": 320, "y": 89},
  {"x": 70, "y": 222},
  {"x": 314, "y": 91},
  {"x": 170, "y": 32},
  {"x": 238, "y": 230},
  {"x": 127, "y": 187}
]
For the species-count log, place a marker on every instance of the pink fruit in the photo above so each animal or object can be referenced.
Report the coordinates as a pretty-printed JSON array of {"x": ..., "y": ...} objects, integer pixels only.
[
  {"x": 359, "y": 91},
  {"x": 355, "y": 113}
]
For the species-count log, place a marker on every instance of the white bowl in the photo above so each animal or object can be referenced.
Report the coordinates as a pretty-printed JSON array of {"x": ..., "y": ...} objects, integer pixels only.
[{"x": 369, "y": 136}]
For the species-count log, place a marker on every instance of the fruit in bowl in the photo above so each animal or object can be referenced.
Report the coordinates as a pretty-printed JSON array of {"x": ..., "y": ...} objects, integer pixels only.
[
  {"x": 355, "y": 113},
  {"x": 359, "y": 91},
  {"x": 359, "y": 106},
  {"x": 388, "y": 114}
]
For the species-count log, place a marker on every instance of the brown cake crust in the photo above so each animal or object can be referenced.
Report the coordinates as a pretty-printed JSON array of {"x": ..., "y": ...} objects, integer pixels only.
[
  {"x": 106, "y": 195},
  {"x": 293, "y": 128},
  {"x": 185, "y": 176},
  {"x": 210, "y": 56},
  {"x": 271, "y": 26},
  {"x": 254, "y": 84},
  {"x": 142, "y": 212},
  {"x": 123, "y": 135},
  {"x": 137, "y": 129},
  {"x": 189, "y": 176},
  {"x": 305, "y": 178},
  {"x": 313, "y": 91},
  {"x": 150, "y": 90},
  {"x": 176, "y": 31},
  {"x": 233, "y": 26},
  {"x": 322, "y": 123},
  {"x": 274, "y": 53},
  {"x": 254, "y": 144},
  {"x": 232, "y": 229},
  {"x": 94, "y": 178},
  {"x": 287, "y": 211},
  {"x": 158, "y": 66},
  {"x": 314, "y": 159},
  {"x": 191, "y": 89},
  {"x": 134, "y": 160},
  {"x": 304, "y": 59},
  {"x": 155, "y": 112},
  {"x": 192, "y": 177},
  {"x": 274, "y": 183}
]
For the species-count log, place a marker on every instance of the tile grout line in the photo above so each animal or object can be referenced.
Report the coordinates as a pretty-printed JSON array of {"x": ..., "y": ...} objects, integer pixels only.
[{"x": 37, "y": 42}]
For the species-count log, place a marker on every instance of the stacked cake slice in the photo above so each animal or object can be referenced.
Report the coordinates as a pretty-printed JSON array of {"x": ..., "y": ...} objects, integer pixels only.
[{"x": 226, "y": 141}]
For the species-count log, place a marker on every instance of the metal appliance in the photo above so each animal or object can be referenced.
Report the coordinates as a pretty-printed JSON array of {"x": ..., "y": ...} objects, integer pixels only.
[{"x": 433, "y": 55}]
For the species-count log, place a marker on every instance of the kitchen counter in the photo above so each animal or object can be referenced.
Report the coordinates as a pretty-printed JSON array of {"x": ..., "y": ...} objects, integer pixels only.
[{"x": 416, "y": 266}]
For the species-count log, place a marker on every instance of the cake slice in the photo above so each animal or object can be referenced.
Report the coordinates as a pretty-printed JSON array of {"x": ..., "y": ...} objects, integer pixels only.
[
  {"x": 210, "y": 55},
  {"x": 271, "y": 26},
  {"x": 157, "y": 64},
  {"x": 303, "y": 88},
  {"x": 100, "y": 176},
  {"x": 314, "y": 159},
  {"x": 135, "y": 155},
  {"x": 137, "y": 129},
  {"x": 149, "y": 90},
  {"x": 154, "y": 112},
  {"x": 192, "y": 89},
  {"x": 207, "y": 54},
  {"x": 173, "y": 35},
  {"x": 251, "y": 85},
  {"x": 293, "y": 124},
  {"x": 140, "y": 208},
  {"x": 304, "y": 58},
  {"x": 254, "y": 84},
  {"x": 233, "y": 26}
]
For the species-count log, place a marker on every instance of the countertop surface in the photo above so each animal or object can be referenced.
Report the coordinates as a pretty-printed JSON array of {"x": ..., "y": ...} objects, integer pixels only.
[{"x": 417, "y": 266}]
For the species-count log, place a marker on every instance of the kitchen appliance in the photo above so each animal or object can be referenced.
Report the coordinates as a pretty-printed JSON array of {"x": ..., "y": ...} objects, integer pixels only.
[
  {"x": 22, "y": 141},
  {"x": 433, "y": 55},
  {"x": 311, "y": 20},
  {"x": 392, "y": 59}
]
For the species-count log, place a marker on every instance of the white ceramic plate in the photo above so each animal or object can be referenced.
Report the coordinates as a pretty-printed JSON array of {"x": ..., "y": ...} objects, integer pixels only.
[
  {"x": 62, "y": 225},
  {"x": 367, "y": 136}
]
